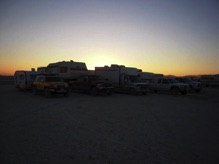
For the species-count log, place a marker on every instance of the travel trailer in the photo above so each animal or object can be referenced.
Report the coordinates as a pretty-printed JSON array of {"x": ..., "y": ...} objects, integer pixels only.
[
  {"x": 68, "y": 70},
  {"x": 124, "y": 79},
  {"x": 23, "y": 80}
]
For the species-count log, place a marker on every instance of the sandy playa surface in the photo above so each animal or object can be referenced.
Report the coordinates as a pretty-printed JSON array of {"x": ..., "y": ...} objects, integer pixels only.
[{"x": 155, "y": 128}]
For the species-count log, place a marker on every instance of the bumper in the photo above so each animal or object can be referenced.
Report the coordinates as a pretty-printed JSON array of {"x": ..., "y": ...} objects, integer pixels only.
[
  {"x": 60, "y": 90},
  {"x": 105, "y": 89}
]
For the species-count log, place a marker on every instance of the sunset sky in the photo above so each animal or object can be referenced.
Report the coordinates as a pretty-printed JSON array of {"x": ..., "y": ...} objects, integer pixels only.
[{"x": 160, "y": 36}]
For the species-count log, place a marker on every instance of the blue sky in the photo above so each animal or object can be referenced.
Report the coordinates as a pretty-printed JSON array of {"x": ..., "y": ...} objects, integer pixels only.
[{"x": 170, "y": 37}]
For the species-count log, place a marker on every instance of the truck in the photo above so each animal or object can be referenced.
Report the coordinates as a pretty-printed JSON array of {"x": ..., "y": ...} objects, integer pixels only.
[
  {"x": 68, "y": 70},
  {"x": 193, "y": 85},
  {"x": 49, "y": 85},
  {"x": 169, "y": 84},
  {"x": 124, "y": 79},
  {"x": 23, "y": 80},
  {"x": 93, "y": 84}
]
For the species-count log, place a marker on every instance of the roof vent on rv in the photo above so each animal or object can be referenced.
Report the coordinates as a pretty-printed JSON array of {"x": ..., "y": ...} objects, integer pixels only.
[
  {"x": 71, "y": 61},
  {"x": 114, "y": 65}
]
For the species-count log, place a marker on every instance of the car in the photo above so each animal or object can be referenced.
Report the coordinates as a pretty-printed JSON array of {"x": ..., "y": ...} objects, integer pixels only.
[
  {"x": 49, "y": 85},
  {"x": 193, "y": 85},
  {"x": 93, "y": 84}
]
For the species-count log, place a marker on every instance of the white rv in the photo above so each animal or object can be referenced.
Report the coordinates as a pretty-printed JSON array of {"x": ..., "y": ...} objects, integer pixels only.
[
  {"x": 24, "y": 79},
  {"x": 68, "y": 70},
  {"x": 124, "y": 79},
  {"x": 149, "y": 76}
]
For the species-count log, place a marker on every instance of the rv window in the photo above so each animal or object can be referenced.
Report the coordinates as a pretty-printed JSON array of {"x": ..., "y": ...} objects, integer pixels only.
[
  {"x": 63, "y": 69},
  {"x": 126, "y": 79},
  {"x": 21, "y": 77},
  {"x": 33, "y": 76},
  {"x": 41, "y": 79},
  {"x": 134, "y": 79},
  {"x": 159, "y": 81},
  {"x": 78, "y": 68},
  {"x": 165, "y": 81}
]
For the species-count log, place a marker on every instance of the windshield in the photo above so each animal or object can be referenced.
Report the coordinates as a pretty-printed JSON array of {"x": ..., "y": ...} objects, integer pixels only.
[
  {"x": 188, "y": 80},
  {"x": 53, "y": 79},
  {"x": 32, "y": 77},
  {"x": 96, "y": 77},
  {"x": 172, "y": 80},
  {"x": 135, "y": 79}
]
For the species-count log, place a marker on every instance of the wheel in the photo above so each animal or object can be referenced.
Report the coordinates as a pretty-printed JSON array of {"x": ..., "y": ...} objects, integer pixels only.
[
  {"x": 184, "y": 92},
  {"x": 197, "y": 90},
  {"x": 109, "y": 93},
  {"x": 66, "y": 94},
  {"x": 93, "y": 91},
  {"x": 174, "y": 90},
  {"x": 47, "y": 93},
  {"x": 144, "y": 93},
  {"x": 132, "y": 91},
  {"x": 35, "y": 91}
]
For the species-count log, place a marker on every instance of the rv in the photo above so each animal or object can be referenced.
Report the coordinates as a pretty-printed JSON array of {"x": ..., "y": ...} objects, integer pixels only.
[
  {"x": 149, "y": 77},
  {"x": 124, "y": 79},
  {"x": 68, "y": 70},
  {"x": 23, "y": 80}
]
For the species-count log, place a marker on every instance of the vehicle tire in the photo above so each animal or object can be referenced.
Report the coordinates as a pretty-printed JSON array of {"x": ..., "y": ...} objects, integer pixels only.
[
  {"x": 144, "y": 93},
  {"x": 66, "y": 94},
  {"x": 174, "y": 90},
  {"x": 35, "y": 91},
  {"x": 132, "y": 91},
  {"x": 109, "y": 93},
  {"x": 47, "y": 93},
  {"x": 184, "y": 92},
  {"x": 93, "y": 91},
  {"x": 197, "y": 90}
]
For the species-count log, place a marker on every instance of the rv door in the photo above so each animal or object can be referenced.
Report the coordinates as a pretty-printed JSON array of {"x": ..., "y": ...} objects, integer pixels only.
[
  {"x": 125, "y": 83},
  {"x": 22, "y": 81}
]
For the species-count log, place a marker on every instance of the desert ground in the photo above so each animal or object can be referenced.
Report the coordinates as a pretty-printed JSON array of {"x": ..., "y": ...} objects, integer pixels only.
[{"x": 157, "y": 128}]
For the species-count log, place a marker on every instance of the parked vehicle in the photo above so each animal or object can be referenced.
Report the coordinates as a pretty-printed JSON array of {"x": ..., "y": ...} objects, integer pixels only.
[
  {"x": 169, "y": 84},
  {"x": 23, "y": 80},
  {"x": 68, "y": 70},
  {"x": 210, "y": 80},
  {"x": 124, "y": 79},
  {"x": 93, "y": 84},
  {"x": 50, "y": 85},
  {"x": 193, "y": 85},
  {"x": 148, "y": 77}
]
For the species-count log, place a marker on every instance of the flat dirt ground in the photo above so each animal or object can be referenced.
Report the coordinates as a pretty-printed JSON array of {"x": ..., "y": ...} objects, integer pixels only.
[{"x": 156, "y": 128}]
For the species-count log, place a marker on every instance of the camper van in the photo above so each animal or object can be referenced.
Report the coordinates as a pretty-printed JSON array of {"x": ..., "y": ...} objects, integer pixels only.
[
  {"x": 68, "y": 70},
  {"x": 124, "y": 79},
  {"x": 23, "y": 80}
]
